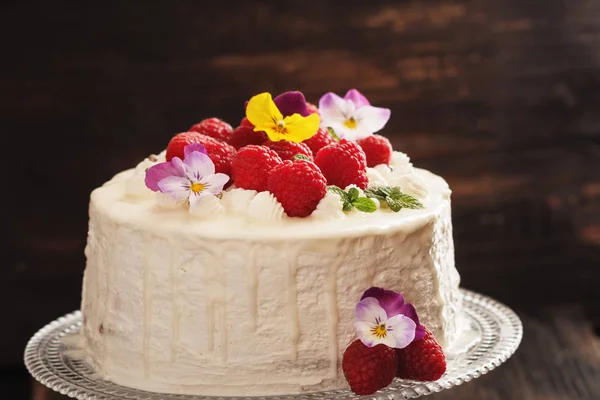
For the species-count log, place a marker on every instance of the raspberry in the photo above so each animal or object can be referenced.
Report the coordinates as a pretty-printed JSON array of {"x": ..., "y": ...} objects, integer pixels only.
[
  {"x": 245, "y": 122},
  {"x": 244, "y": 135},
  {"x": 213, "y": 127},
  {"x": 321, "y": 139},
  {"x": 422, "y": 360},
  {"x": 298, "y": 185},
  {"x": 220, "y": 153},
  {"x": 343, "y": 163},
  {"x": 287, "y": 150},
  {"x": 312, "y": 108},
  {"x": 368, "y": 369},
  {"x": 251, "y": 167},
  {"x": 377, "y": 148}
]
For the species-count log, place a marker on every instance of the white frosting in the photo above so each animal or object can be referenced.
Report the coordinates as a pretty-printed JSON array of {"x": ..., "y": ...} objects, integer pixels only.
[
  {"x": 168, "y": 202},
  {"x": 400, "y": 163},
  {"x": 375, "y": 177},
  {"x": 413, "y": 185},
  {"x": 227, "y": 307},
  {"x": 209, "y": 207},
  {"x": 264, "y": 207},
  {"x": 237, "y": 200},
  {"x": 136, "y": 185},
  {"x": 330, "y": 207}
]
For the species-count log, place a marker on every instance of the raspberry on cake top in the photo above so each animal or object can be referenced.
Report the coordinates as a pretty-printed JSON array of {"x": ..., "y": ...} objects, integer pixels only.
[{"x": 322, "y": 163}]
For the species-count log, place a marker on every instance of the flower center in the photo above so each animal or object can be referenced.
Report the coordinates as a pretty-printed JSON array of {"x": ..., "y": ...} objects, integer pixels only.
[
  {"x": 280, "y": 127},
  {"x": 350, "y": 123},
  {"x": 380, "y": 331},
  {"x": 197, "y": 187}
]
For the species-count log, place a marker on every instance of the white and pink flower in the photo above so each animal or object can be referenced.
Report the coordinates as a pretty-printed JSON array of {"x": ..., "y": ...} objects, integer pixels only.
[
  {"x": 383, "y": 317},
  {"x": 188, "y": 180},
  {"x": 351, "y": 117}
]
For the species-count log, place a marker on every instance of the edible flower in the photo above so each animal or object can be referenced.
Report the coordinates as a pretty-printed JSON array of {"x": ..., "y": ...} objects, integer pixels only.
[
  {"x": 383, "y": 317},
  {"x": 190, "y": 179},
  {"x": 352, "y": 117},
  {"x": 266, "y": 116}
]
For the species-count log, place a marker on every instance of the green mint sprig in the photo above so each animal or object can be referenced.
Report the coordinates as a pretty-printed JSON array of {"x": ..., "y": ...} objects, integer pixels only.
[
  {"x": 351, "y": 199},
  {"x": 395, "y": 199}
]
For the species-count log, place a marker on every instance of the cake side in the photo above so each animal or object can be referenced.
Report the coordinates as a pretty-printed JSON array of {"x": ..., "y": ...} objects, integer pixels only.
[{"x": 182, "y": 309}]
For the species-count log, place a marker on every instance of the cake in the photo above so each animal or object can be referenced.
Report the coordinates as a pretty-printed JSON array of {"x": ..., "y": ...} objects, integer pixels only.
[{"x": 246, "y": 279}]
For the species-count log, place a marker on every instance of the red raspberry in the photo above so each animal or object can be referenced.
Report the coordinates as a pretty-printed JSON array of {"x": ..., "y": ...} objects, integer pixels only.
[
  {"x": 251, "y": 166},
  {"x": 368, "y": 369},
  {"x": 422, "y": 360},
  {"x": 298, "y": 185},
  {"x": 244, "y": 135},
  {"x": 220, "y": 153},
  {"x": 321, "y": 139},
  {"x": 213, "y": 127},
  {"x": 245, "y": 122},
  {"x": 343, "y": 163},
  {"x": 287, "y": 150},
  {"x": 312, "y": 108},
  {"x": 377, "y": 148}
]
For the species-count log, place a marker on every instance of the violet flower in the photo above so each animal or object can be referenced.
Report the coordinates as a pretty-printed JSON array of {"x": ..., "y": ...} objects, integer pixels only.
[
  {"x": 352, "y": 117},
  {"x": 383, "y": 317},
  {"x": 190, "y": 179}
]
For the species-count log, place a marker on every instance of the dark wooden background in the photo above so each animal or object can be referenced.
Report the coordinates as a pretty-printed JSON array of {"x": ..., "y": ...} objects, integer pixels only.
[{"x": 502, "y": 98}]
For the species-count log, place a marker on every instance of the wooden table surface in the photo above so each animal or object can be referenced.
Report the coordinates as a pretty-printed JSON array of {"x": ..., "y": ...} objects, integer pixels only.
[{"x": 559, "y": 359}]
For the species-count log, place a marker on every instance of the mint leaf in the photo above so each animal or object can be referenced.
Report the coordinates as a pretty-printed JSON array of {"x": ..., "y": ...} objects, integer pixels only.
[
  {"x": 332, "y": 133},
  {"x": 337, "y": 190},
  {"x": 394, "y": 197},
  {"x": 300, "y": 157},
  {"x": 393, "y": 204},
  {"x": 346, "y": 203},
  {"x": 409, "y": 201},
  {"x": 379, "y": 193},
  {"x": 353, "y": 194},
  {"x": 365, "y": 204}
]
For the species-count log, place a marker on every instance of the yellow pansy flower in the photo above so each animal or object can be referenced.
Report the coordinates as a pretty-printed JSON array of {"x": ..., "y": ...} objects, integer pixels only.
[{"x": 263, "y": 113}]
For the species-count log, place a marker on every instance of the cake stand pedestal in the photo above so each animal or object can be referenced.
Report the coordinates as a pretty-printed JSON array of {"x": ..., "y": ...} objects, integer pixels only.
[{"x": 56, "y": 361}]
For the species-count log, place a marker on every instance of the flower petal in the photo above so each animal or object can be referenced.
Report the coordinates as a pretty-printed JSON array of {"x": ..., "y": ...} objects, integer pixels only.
[
  {"x": 332, "y": 108},
  {"x": 196, "y": 197},
  {"x": 198, "y": 165},
  {"x": 290, "y": 103},
  {"x": 373, "y": 118},
  {"x": 176, "y": 186},
  {"x": 364, "y": 330},
  {"x": 214, "y": 183},
  {"x": 262, "y": 111},
  {"x": 394, "y": 304},
  {"x": 300, "y": 128},
  {"x": 402, "y": 329},
  {"x": 357, "y": 98},
  {"x": 369, "y": 310},
  {"x": 160, "y": 171},
  {"x": 193, "y": 147}
]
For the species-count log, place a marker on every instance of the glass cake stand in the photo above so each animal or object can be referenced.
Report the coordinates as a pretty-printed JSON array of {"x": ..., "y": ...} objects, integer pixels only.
[{"x": 496, "y": 330}]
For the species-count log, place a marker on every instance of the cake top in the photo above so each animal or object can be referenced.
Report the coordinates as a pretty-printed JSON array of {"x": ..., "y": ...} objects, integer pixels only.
[{"x": 287, "y": 160}]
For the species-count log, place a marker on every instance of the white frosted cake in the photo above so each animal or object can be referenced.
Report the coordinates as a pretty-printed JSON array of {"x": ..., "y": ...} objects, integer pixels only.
[{"x": 219, "y": 291}]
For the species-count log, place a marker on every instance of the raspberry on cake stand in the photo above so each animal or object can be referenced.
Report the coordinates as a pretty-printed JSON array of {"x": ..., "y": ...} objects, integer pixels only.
[{"x": 54, "y": 357}]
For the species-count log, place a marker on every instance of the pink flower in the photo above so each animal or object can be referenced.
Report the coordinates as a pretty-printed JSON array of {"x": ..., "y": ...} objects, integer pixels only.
[
  {"x": 382, "y": 317},
  {"x": 352, "y": 117},
  {"x": 190, "y": 179}
]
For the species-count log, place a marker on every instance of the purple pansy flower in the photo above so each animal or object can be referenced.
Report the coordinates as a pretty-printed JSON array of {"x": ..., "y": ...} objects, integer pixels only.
[
  {"x": 383, "y": 317},
  {"x": 290, "y": 103},
  {"x": 352, "y": 117},
  {"x": 190, "y": 179}
]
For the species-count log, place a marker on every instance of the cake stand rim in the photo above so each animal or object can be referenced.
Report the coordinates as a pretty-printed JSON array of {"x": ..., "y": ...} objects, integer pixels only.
[{"x": 509, "y": 343}]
